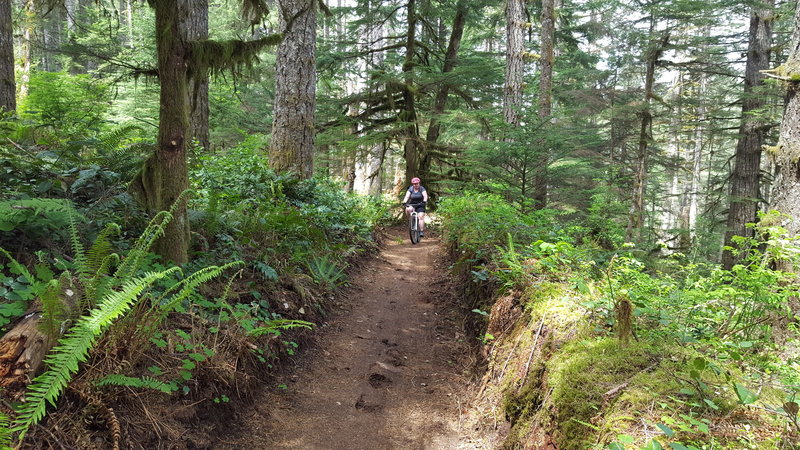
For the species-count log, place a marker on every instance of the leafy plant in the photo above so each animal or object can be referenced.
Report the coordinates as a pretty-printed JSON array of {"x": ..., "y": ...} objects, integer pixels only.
[
  {"x": 74, "y": 348},
  {"x": 117, "y": 292},
  {"x": 37, "y": 216},
  {"x": 326, "y": 272}
]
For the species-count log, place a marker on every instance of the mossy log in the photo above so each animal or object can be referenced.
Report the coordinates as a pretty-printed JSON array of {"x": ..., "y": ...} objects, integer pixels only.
[{"x": 22, "y": 351}]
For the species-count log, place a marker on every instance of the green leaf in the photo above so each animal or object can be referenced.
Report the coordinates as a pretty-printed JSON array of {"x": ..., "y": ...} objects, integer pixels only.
[
  {"x": 711, "y": 404},
  {"x": 746, "y": 396},
  {"x": 667, "y": 430},
  {"x": 699, "y": 364},
  {"x": 183, "y": 335},
  {"x": 626, "y": 439},
  {"x": 653, "y": 445}
]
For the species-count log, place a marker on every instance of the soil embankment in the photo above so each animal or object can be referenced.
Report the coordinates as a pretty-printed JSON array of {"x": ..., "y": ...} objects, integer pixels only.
[{"x": 389, "y": 368}]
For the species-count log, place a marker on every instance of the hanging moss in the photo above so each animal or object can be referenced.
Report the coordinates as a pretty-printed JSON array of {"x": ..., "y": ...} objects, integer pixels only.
[
  {"x": 254, "y": 10},
  {"x": 218, "y": 56}
]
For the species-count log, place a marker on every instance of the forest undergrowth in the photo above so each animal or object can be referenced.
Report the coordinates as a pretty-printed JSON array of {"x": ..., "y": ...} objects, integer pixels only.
[
  {"x": 593, "y": 343},
  {"x": 146, "y": 351}
]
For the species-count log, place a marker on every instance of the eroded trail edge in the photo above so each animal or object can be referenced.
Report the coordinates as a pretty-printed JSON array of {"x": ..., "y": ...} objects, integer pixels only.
[{"x": 389, "y": 369}]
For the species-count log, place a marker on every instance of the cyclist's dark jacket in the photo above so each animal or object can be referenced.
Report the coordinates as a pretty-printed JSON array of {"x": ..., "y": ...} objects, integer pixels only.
[{"x": 416, "y": 198}]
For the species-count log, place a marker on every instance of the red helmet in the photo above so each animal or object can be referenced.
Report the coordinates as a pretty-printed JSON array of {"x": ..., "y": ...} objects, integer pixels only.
[{"x": 414, "y": 180}]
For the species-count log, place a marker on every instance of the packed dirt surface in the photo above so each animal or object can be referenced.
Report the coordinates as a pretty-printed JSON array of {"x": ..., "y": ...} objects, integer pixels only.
[{"x": 389, "y": 370}]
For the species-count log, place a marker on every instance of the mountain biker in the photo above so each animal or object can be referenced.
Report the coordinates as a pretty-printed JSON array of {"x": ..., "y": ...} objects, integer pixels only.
[{"x": 415, "y": 199}]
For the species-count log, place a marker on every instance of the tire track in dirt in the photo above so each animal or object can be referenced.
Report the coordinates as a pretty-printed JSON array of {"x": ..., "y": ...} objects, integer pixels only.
[{"x": 388, "y": 371}]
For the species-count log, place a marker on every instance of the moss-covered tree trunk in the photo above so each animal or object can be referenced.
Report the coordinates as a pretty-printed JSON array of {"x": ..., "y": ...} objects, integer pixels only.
[
  {"x": 292, "y": 144},
  {"x": 165, "y": 175},
  {"x": 786, "y": 188},
  {"x": 745, "y": 179},
  {"x": 8, "y": 93}
]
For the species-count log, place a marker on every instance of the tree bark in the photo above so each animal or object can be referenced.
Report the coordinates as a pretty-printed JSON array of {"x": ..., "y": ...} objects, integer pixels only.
[
  {"x": 545, "y": 99},
  {"x": 197, "y": 29},
  {"x": 745, "y": 179},
  {"x": 512, "y": 93},
  {"x": 292, "y": 144},
  {"x": 786, "y": 187},
  {"x": 8, "y": 88}
]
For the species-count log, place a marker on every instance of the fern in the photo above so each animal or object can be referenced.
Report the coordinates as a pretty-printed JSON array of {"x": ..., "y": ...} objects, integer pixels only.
[
  {"x": 5, "y": 433},
  {"x": 143, "y": 382},
  {"x": 53, "y": 308},
  {"x": 17, "y": 267},
  {"x": 274, "y": 326},
  {"x": 78, "y": 251},
  {"x": 114, "y": 141},
  {"x": 101, "y": 248},
  {"x": 188, "y": 285},
  {"x": 74, "y": 348},
  {"x": 153, "y": 231}
]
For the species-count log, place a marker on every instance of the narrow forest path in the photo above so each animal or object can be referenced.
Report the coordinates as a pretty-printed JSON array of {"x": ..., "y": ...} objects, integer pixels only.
[{"x": 389, "y": 369}]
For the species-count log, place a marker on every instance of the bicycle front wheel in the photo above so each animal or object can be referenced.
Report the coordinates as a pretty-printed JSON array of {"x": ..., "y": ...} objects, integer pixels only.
[{"x": 413, "y": 228}]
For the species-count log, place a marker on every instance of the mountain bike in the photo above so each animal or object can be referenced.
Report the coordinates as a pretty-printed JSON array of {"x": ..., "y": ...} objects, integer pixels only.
[{"x": 413, "y": 224}]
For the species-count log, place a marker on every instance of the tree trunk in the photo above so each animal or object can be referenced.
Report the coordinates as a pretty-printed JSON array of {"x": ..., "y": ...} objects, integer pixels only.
[
  {"x": 636, "y": 214},
  {"x": 440, "y": 102},
  {"x": 197, "y": 29},
  {"x": 409, "y": 114},
  {"x": 697, "y": 157},
  {"x": 745, "y": 179},
  {"x": 671, "y": 214},
  {"x": 545, "y": 100},
  {"x": 165, "y": 174},
  {"x": 786, "y": 187},
  {"x": 29, "y": 14},
  {"x": 450, "y": 60},
  {"x": 8, "y": 88},
  {"x": 292, "y": 144},
  {"x": 512, "y": 93},
  {"x": 51, "y": 27}
]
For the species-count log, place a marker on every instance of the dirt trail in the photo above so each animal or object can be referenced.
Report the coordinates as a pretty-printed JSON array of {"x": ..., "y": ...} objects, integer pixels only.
[{"x": 388, "y": 370}]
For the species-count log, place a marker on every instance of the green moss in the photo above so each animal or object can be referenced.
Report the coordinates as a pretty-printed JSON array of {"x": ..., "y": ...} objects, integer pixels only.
[{"x": 581, "y": 373}]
